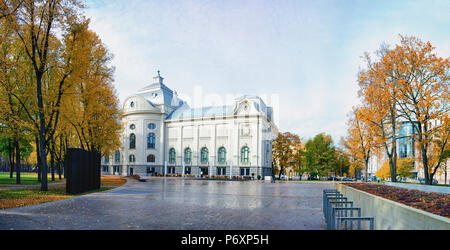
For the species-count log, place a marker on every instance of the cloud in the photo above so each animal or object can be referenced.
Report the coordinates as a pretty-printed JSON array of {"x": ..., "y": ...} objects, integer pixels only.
[{"x": 305, "y": 52}]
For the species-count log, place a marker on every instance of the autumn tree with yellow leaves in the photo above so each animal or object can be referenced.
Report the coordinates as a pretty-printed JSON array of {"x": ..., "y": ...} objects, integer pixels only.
[
  {"x": 285, "y": 151},
  {"x": 13, "y": 75},
  {"x": 404, "y": 170},
  {"x": 439, "y": 151},
  {"x": 424, "y": 97},
  {"x": 384, "y": 172},
  {"x": 65, "y": 89},
  {"x": 361, "y": 140},
  {"x": 405, "y": 167},
  {"x": 92, "y": 109},
  {"x": 408, "y": 82},
  {"x": 379, "y": 96}
]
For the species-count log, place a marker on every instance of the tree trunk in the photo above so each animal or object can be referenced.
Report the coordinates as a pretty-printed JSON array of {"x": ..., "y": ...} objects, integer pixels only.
[
  {"x": 38, "y": 159},
  {"x": 393, "y": 158},
  {"x": 428, "y": 180},
  {"x": 52, "y": 164},
  {"x": 60, "y": 159},
  {"x": 59, "y": 170},
  {"x": 281, "y": 171},
  {"x": 11, "y": 158},
  {"x": 445, "y": 174},
  {"x": 16, "y": 145},
  {"x": 366, "y": 163},
  {"x": 393, "y": 168},
  {"x": 42, "y": 146}
]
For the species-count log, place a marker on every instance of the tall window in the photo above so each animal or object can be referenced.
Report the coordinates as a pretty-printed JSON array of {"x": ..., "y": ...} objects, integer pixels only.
[
  {"x": 204, "y": 155},
  {"x": 106, "y": 159},
  {"x": 245, "y": 171},
  {"x": 151, "y": 140},
  {"x": 172, "y": 155},
  {"x": 117, "y": 157},
  {"x": 221, "y": 171},
  {"x": 222, "y": 155},
  {"x": 132, "y": 141},
  {"x": 151, "y": 158},
  {"x": 245, "y": 152},
  {"x": 132, "y": 159},
  {"x": 187, "y": 155}
]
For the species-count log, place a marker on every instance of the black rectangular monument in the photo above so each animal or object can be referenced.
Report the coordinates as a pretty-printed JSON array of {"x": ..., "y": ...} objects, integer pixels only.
[{"x": 82, "y": 170}]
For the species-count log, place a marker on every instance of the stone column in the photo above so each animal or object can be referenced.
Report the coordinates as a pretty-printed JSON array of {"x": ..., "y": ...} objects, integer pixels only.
[
  {"x": 124, "y": 170},
  {"x": 165, "y": 168},
  {"x": 210, "y": 169},
  {"x": 231, "y": 170}
]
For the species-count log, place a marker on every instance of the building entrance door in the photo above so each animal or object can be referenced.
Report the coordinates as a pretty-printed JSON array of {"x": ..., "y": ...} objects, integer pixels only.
[
  {"x": 203, "y": 171},
  {"x": 131, "y": 171}
]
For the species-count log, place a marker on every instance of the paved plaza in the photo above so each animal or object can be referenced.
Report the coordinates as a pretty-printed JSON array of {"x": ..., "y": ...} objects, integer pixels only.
[{"x": 177, "y": 204}]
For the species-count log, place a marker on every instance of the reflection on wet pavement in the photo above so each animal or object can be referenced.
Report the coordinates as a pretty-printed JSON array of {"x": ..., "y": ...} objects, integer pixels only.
[{"x": 179, "y": 204}]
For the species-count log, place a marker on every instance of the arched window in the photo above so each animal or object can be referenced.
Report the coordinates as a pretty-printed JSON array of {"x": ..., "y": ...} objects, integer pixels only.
[
  {"x": 187, "y": 155},
  {"x": 151, "y": 158},
  {"x": 222, "y": 155},
  {"x": 204, "y": 157},
  {"x": 151, "y": 126},
  {"x": 151, "y": 139},
  {"x": 117, "y": 157},
  {"x": 132, "y": 141},
  {"x": 132, "y": 159},
  {"x": 172, "y": 155},
  {"x": 245, "y": 152}
]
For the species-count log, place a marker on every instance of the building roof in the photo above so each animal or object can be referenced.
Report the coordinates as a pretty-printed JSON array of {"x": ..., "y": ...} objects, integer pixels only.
[
  {"x": 158, "y": 93},
  {"x": 186, "y": 113}
]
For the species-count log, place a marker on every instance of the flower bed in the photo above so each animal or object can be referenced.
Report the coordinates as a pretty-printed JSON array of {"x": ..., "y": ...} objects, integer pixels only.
[{"x": 435, "y": 203}]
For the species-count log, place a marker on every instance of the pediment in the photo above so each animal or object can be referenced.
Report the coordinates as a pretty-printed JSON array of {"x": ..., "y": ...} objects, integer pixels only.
[
  {"x": 137, "y": 103},
  {"x": 243, "y": 107}
]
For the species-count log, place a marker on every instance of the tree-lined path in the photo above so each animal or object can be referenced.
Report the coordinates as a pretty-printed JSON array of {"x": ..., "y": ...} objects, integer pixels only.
[{"x": 181, "y": 204}]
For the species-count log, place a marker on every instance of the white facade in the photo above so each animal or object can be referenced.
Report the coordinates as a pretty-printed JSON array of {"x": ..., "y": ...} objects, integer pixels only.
[{"x": 165, "y": 129}]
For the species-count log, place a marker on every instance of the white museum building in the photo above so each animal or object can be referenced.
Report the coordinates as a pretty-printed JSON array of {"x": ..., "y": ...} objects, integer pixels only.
[{"x": 162, "y": 134}]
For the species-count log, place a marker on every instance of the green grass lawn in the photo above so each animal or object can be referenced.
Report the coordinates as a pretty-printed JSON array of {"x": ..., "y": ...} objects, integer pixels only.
[{"x": 26, "y": 178}]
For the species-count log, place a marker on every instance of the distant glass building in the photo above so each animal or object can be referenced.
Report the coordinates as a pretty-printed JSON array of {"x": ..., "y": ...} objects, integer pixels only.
[{"x": 405, "y": 148}]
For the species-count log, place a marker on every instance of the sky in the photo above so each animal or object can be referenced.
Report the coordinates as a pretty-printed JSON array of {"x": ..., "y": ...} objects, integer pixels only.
[{"x": 301, "y": 57}]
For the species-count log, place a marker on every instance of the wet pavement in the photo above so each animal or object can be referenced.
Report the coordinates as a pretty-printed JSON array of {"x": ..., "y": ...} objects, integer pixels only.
[{"x": 177, "y": 204}]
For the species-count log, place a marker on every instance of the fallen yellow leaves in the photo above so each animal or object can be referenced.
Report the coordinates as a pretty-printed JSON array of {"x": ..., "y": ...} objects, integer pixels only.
[
  {"x": 113, "y": 181},
  {"x": 27, "y": 197},
  {"x": 30, "y": 200}
]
